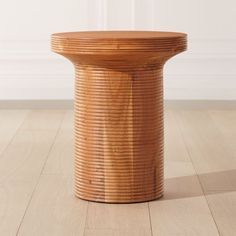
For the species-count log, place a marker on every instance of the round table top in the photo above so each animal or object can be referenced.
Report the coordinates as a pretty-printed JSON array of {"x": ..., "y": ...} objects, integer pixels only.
[{"x": 111, "y": 42}]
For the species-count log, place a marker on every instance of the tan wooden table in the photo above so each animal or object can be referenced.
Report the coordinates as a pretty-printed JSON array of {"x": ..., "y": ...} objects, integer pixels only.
[{"x": 119, "y": 111}]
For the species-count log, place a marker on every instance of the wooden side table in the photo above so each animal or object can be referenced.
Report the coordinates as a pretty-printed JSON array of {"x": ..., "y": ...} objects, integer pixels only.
[{"x": 119, "y": 111}]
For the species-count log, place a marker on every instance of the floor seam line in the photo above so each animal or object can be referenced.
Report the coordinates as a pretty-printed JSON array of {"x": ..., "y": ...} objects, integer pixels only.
[
  {"x": 86, "y": 218},
  {"x": 150, "y": 219}
]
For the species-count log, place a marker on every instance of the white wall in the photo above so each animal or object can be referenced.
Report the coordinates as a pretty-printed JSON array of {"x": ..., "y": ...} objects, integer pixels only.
[{"x": 28, "y": 70}]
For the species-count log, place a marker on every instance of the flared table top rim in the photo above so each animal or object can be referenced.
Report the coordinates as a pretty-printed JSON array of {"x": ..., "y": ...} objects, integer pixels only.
[
  {"x": 119, "y": 35},
  {"x": 118, "y": 42}
]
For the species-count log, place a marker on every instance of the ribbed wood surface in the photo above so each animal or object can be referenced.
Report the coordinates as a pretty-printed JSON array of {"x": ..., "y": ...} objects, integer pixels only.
[{"x": 119, "y": 111}]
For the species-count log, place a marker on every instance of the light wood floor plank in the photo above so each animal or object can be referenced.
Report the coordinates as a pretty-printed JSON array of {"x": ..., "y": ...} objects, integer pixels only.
[
  {"x": 223, "y": 203},
  {"x": 48, "y": 120},
  {"x": 61, "y": 157},
  {"x": 210, "y": 138},
  {"x": 10, "y": 121},
  {"x": 54, "y": 211},
  {"x": 223, "y": 207},
  {"x": 175, "y": 149},
  {"x": 118, "y": 219},
  {"x": 183, "y": 210},
  {"x": 21, "y": 164},
  {"x": 226, "y": 123},
  {"x": 183, "y": 216},
  {"x": 204, "y": 142}
]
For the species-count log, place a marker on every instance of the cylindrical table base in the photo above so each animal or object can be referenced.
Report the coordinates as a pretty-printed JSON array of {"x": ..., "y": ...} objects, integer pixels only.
[{"x": 119, "y": 133}]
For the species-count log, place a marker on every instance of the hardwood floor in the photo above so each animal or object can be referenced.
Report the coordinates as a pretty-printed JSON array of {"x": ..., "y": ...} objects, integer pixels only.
[{"x": 36, "y": 179}]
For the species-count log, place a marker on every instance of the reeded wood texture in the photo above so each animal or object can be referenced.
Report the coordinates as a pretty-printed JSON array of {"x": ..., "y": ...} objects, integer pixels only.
[
  {"x": 119, "y": 111},
  {"x": 119, "y": 134}
]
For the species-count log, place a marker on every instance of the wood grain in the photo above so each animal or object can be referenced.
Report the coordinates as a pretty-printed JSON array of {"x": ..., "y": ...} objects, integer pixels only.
[
  {"x": 183, "y": 210},
  {"x": 21, "y": 164},
  {"x": 54, "y": 210},
  {"x": 10, "y": 121},
  {"x": 60, "y": 160},
  {"x": 210, "y": 139},
  {"x": 119, "y": 111},
  {"x": 118, "y": 219}
]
